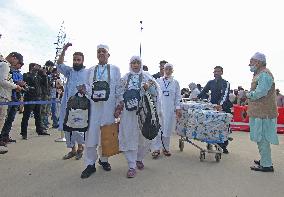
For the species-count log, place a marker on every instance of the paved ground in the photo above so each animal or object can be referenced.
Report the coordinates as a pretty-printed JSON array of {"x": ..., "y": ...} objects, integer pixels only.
[{"x": 34, "y": 168}]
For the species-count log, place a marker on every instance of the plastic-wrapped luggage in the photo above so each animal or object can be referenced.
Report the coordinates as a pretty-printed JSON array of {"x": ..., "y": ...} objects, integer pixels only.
[{"x": 208, "y": 126}]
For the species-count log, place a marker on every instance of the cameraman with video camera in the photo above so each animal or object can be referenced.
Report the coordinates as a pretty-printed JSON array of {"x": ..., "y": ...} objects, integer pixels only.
[
  {"x": 35, "y": 79},
  {"x": 46, "y": 91},
  {"x": 55, "y": 85}
]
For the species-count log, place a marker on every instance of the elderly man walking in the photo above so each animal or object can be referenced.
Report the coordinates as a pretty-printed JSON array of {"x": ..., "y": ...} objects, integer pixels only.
[
  {"x": 262, "y": 111},
  {"x": 103, "y": 105}
]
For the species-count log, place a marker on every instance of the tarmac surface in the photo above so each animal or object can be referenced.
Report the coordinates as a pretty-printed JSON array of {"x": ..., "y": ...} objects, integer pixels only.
[{"x": 34, "y": 168}]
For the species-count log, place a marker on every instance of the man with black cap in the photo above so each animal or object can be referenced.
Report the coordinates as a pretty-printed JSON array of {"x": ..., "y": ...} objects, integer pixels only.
[
  {"x": 16, "y": 96},
  {"x": 161, "y": 73},
  {"x": 6, "y": 87}
]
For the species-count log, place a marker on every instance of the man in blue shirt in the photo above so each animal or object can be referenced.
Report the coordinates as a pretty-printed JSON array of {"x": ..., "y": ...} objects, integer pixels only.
[{"x": 220, "y": 89}]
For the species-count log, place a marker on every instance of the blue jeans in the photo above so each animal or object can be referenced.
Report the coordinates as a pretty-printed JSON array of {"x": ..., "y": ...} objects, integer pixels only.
[
  {"x": 11, "y": 114},
  {"x": 53, "y": 112}
]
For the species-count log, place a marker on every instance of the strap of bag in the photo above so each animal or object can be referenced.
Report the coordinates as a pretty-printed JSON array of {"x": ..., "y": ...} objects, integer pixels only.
[{"x": 96, "y": 70}]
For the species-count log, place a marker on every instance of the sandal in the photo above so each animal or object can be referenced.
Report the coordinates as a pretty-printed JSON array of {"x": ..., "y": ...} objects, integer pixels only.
[
  {"x": 79, "y": 154},
  {"x": 69, "y": 155},
  {"x": 167, "y": 153},
  {"x": 140, "y": 165},
  {"x": 156, "y": 154},
  {"x": 131, "y": 173}
]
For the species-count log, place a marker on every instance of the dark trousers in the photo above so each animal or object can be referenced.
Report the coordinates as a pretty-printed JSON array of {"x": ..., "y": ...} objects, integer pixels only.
[
  {"x": 26, "y": 116},
  {"x": 11, "y": 114},
  {"x": 224, "y": 145}
]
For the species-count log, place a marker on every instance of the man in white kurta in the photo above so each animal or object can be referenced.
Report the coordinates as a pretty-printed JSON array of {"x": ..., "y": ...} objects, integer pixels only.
[
  {"x": 171, "y": 99},
  {"x": 76, "y": 76},
  {"x": 102, "y": 112}
]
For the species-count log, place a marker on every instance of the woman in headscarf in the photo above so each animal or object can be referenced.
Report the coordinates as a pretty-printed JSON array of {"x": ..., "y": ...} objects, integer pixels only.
[
  {"x": 171, "y": 100},
  {"x": 131, "y": 141}
]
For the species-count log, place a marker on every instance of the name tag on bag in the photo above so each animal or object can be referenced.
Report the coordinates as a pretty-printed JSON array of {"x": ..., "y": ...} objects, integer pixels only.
[{"x": 101, "y": 94}]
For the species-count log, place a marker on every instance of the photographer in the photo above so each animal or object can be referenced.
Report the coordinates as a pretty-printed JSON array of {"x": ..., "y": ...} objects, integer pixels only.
[
  {"x": 46, "y": 88},
  {"x": 35, "y": 79},
  {"x": 55, "y": 84},
  {"x": 17, "y": 78}
]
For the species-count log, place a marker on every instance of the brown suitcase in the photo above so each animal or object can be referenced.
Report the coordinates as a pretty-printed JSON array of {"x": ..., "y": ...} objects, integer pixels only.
[{"x": 109, "y": 140}]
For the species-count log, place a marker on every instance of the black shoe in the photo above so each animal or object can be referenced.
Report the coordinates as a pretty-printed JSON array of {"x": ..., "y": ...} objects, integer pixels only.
[
  {"x": 209, "y": 147},
  {"x": 55, "y": 126},
  {"x": 24, "y": 137},
  {"x": 257, "y": 162},
  {"x": 10, "y": 140},
  {"x": 88, "y": 171},
  {"x": 106, "y": 166},
  {"x": 230, "y": 138},
  {"x": 262, "y": 169},
  {"x": 3, "y": 143},
  {"x": 43, "y": 133},
  {"x": 225, "y": 151}
]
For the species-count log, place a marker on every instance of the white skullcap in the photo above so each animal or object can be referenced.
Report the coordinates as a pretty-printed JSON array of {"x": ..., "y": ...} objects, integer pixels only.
[
  {"x": 103, "y": 46},
  {"x": 259, "y": 56},
  {"x": 168, "y": 65}
]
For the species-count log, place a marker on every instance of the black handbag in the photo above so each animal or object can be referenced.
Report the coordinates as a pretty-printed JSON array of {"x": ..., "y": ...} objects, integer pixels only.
[
  {"x": 148, "y": 118},
  {"x": 131, "y": 98},
  {"x": 100, "y": 89},
  {"x": 77, "y": 114}
]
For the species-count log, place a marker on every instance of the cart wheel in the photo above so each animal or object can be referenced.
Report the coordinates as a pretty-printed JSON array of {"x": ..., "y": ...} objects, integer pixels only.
[
  {"x": 202, "y": 156},
  {"x": 218, "y": 157},
  {"x": 181, "y": 144}
]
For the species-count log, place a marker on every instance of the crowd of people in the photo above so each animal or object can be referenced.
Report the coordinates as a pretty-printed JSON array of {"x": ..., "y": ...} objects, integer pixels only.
[
  {"x": 112, "y": 97},
  {"x": 38, "y": 85}
]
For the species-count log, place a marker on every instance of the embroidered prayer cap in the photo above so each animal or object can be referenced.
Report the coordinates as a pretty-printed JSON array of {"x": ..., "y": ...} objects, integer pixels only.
[
  {"x": 103, "y": 46},
  {"x": 168, "y": 65},
  {"x": 259, "y": 56}
]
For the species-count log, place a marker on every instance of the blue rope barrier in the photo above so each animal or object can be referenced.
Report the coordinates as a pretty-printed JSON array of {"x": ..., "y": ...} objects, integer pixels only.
[{"x": 28, "y": 102}]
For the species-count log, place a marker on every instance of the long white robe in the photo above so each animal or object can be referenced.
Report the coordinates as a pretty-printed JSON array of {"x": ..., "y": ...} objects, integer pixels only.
[
  {"x": 129, "y": 132},
  {"x": 102, "y": 112},
  {"x": 74, "y": 78},
  {"x": 169, "y": 103}
]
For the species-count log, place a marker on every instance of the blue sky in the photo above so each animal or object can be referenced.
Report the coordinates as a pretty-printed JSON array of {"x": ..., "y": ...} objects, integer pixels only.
[{"x": 193, "y": 35}]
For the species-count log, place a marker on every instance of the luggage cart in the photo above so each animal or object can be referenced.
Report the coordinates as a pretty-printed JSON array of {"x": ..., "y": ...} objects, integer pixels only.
[
  {"x": 202, "y": 123},
  {"x": 210, "y": 149}
]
